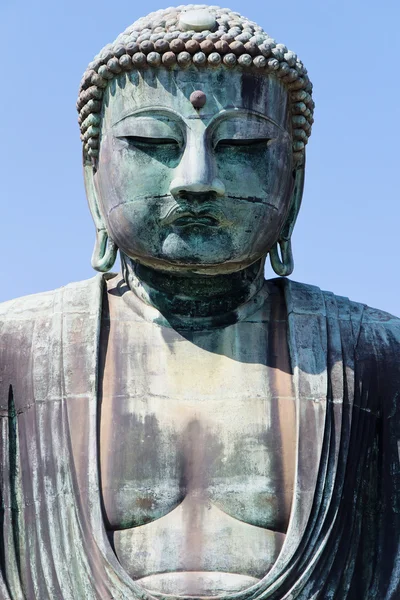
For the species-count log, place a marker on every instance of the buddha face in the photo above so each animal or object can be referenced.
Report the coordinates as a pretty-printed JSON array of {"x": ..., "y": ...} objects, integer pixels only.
[{"x": 189, "y": 189}]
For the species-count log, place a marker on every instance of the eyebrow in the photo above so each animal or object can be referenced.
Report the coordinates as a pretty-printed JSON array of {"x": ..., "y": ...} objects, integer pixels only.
[
  {"x": 223, "y": 115},
  {"x": 231, "y": 113},
  {"x": 151, "y": 111}
]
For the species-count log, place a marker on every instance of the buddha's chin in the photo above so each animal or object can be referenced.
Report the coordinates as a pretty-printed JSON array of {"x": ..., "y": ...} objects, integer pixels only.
[{"x": 197, "y": 247}]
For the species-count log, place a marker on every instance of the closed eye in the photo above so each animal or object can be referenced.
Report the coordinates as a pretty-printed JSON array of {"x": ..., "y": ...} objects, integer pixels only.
[
  {"x": 149, "y": 141},
  {"x": 243, "y": 142}
]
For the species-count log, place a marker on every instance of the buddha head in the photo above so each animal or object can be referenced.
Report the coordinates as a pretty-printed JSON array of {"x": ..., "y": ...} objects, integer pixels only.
[{"x": 194, "y": 124}]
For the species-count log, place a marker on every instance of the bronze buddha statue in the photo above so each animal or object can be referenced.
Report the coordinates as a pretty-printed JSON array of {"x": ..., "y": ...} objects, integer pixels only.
[{"x": 187, "y": 428}]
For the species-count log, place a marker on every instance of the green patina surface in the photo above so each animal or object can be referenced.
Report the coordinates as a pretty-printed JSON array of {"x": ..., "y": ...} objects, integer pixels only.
[{"x": 186, "y": 428}]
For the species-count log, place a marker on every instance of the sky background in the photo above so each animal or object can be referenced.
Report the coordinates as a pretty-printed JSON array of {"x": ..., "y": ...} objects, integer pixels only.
[{"x": 346, "y": 237}]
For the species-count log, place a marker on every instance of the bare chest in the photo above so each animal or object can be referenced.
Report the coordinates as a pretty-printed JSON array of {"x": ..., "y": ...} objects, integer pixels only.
[{"x": 190, "y": 419}]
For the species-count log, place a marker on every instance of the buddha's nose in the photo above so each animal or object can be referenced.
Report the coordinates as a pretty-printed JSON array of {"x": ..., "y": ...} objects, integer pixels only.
[{"x": 196, "y": 172}]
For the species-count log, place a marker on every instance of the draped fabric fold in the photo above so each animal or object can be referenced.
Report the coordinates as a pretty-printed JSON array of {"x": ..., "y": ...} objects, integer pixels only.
[{"x": 343, "y": 536}]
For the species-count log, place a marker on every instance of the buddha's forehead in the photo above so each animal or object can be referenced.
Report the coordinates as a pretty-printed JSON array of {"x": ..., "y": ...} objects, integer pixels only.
[{"x": 171, "y": 90}]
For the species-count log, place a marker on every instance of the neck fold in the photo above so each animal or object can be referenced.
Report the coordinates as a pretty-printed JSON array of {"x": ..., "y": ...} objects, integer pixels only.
[{"x": 195, "y": 301}]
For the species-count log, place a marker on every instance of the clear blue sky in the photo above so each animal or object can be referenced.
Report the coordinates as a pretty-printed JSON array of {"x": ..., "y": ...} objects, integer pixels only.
[{"x": 346, "y": 238}]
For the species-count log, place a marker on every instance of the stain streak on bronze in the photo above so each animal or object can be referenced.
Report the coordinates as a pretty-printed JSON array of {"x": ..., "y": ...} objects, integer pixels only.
[{"x": 283, "y": 393}]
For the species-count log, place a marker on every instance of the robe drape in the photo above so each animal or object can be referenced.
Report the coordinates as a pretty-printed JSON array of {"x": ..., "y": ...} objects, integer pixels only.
[{"x": 344, "y": 530}]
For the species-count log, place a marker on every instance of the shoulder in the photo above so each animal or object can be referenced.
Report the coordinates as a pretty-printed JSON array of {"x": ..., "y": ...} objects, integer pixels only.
[
  {"x": 33, "y": 330},
  {"x": 380, "y": 338},
  {"x": 22, "y": 313},
  {"x": 34, "y": 306},
  {"x": 27, "y": 305},
  {"x": 373, "y": 328},
  {"x": 374, "y": 325}
]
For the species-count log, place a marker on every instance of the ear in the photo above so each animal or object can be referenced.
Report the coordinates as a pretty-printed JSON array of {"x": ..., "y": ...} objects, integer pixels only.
[
  {"x": 105, "y": 250},
  {"x": 295, "y": 202},
  {"x": 284, "y": 266},
  {"x": 91, "y": 195}
]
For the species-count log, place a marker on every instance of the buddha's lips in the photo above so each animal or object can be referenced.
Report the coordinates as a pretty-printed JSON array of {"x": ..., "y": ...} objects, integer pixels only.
[
  {"x": 193, "y": 219},
  {"x": 207, "y": 215}
]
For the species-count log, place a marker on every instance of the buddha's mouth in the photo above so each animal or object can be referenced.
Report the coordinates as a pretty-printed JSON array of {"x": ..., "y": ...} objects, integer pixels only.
[
  {"x": 191, "y": 219},
  {"x": 206, "y": 216}
]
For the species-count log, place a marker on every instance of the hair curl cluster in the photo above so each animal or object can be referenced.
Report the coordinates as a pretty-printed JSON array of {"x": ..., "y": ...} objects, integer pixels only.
[{"x": 159, "y": 40}]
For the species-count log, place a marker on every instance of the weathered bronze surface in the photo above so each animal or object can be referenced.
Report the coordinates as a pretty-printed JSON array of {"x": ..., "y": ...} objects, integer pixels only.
[{"x": 186, "y": 428}]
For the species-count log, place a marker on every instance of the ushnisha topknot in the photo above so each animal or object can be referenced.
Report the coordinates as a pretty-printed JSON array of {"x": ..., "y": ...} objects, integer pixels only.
[{"x": 204, "y": 36}]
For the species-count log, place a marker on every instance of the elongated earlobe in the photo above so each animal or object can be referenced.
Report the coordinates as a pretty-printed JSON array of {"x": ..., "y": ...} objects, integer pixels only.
[
  {"x": 105, "y": 250},
  {"x": 282, "y": 266},
  {"x": 104, "y": 253}
]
